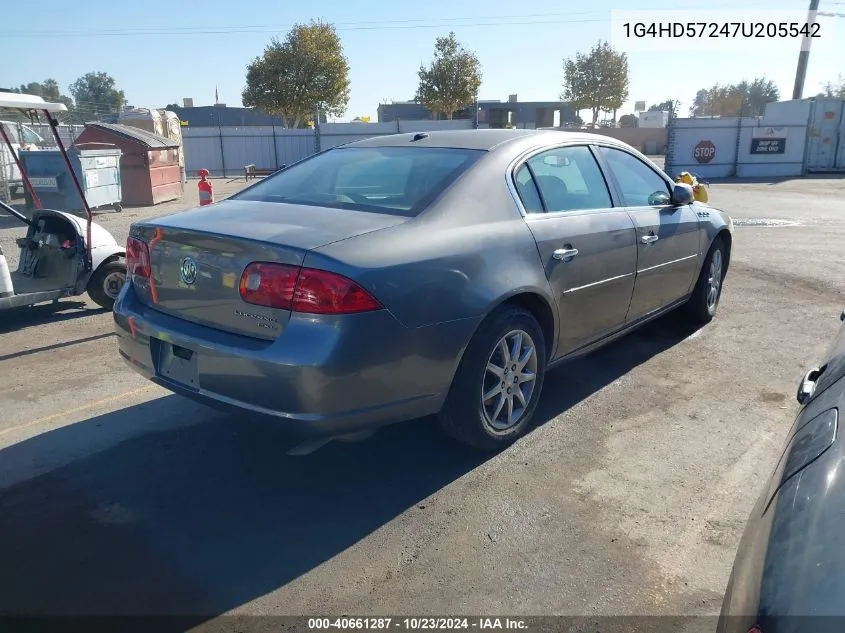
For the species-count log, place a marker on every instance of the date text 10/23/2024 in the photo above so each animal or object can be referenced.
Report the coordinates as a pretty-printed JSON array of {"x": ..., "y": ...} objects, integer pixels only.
[{"x": 417, "y": 623}]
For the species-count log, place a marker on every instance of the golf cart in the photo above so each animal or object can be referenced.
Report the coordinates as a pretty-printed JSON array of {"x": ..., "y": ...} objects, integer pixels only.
[{"x": 62, "y": 255}]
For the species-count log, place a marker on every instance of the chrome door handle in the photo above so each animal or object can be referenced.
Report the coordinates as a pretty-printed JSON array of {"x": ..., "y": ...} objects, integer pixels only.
[
  {"x": 649, "y": 239},
  {"x": 565, "y": 254}
]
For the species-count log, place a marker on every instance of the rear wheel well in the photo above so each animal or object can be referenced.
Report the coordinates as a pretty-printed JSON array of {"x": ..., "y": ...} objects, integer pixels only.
[
  {"x": 111, "y": 258},
  {"x": 540, "y": 309}
]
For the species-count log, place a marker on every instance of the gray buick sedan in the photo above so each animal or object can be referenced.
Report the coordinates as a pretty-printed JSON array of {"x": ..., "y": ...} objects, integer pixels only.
[{"x": 401, "y": 276}]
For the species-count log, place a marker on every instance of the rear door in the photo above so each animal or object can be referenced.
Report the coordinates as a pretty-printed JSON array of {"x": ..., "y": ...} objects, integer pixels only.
[
  {"x": 588, "y": 247},
  {"x": 668, "y": 236}
]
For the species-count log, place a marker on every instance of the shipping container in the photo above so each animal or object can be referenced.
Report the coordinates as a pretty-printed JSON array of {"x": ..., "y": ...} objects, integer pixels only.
[{"x": 826, "y": 132}]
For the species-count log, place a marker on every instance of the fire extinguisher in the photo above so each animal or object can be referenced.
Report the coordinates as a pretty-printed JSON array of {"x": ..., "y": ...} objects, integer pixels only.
[{"x": 206, "y": 190}]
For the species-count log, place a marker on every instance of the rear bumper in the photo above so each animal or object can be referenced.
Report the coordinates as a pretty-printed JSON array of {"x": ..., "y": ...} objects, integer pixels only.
[{"x": 322, "y": 376}]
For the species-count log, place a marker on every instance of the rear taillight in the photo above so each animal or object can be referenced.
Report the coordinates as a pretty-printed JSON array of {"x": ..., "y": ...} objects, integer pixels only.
[
  {"x": 269, "y": 285},
  {"x": 137, "y": 258},
  {"x": 321, "y": 292},
  {"x": 304, "y": 290}
]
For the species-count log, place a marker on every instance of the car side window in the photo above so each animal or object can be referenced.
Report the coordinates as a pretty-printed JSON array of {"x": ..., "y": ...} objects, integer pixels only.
[
  {"x": 569, "y": 179},
  {"x": 30, "y": 137},
  {"x": 641, "y": 185},
  {"x": 527, "y": 189}
]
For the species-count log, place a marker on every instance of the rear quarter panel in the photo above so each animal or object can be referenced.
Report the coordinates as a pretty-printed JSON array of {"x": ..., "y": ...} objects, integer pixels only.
[{"x": 458, "y": 260}]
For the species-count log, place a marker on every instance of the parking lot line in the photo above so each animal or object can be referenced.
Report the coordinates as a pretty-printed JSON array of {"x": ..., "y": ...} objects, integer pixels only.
[{"x": 85, "y": 407}]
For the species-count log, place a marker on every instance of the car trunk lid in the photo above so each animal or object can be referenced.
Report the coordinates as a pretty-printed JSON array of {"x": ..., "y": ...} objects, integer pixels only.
[{"x": 197, "y": 257}]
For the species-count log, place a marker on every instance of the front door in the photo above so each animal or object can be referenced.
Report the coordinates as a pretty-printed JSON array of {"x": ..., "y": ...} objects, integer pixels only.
[
  {"x": 588, "y": 247},
  {"x": 668, "y": 236}
]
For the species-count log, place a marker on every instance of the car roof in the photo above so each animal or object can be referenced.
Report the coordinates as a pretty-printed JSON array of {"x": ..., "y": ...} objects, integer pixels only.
[{"x": 487, "y": 140}]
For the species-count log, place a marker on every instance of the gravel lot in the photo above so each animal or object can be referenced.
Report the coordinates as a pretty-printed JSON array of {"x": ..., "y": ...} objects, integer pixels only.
[{"x": 630, "y": 498}]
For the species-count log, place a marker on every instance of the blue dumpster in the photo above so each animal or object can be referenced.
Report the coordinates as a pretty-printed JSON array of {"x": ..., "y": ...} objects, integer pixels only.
[{"x": 97, "y": 167}]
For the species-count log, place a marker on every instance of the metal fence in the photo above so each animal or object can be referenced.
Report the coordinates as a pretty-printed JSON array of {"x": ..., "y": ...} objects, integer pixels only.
[
  {"x": 710, "y": 147},
  {"x": 225, "y": 151},
  {"x": 68, "y": 133},
  {"x": 745, "y": 147}
]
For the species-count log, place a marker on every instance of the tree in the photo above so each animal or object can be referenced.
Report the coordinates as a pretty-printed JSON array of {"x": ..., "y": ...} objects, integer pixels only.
[
  {"x": 451, "y": 81},
  {"x": 663, "y": 106},
  {"x": 596, "y": 81},
  {"x": 718, "y": 101},
  {"x": 628, "y": 120},
  {"x": 305, "y": 72},
  {"x": 745, "y": 99},
  {"x": 834, "y": 90},
  {"x": 758, "y": 93},
  {"x": 172, "y": 106},
  {"x": 95, "y": 94},
  {"x": 48, "y": 90}
]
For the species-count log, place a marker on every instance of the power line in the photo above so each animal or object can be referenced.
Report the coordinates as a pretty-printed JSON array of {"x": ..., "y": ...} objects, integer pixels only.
[
  {"x": 265, "y": 30},
  {"x": 367, "y": 24},
  {"x": 372, "y": 25}
]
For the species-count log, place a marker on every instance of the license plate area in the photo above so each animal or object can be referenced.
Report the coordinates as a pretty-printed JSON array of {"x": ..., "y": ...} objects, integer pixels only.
[{"x": 178, "y": 364}]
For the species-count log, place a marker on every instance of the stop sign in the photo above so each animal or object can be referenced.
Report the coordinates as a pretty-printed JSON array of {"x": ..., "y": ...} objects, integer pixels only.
[{"x": 704, "y": 151}]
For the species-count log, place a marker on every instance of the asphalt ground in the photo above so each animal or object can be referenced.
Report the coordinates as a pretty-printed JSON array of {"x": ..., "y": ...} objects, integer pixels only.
[{"x": 117, "y": 497}]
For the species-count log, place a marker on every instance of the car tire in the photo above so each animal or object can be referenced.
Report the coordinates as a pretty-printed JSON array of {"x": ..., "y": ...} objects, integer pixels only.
[
  {"x": 102, "y": 286},
  {"x": 484, "y": 424},
  {"x": 702, "y": 305}
]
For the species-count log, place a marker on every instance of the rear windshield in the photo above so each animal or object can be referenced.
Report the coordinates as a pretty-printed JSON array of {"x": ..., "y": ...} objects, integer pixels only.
[{"x": 396, "y": 180}]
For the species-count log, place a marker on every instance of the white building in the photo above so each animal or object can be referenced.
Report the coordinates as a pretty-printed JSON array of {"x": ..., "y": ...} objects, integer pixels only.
[{"x": 655, "y": 118}]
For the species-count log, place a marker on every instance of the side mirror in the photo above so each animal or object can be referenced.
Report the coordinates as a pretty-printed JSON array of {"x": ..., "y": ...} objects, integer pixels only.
[
  {"x": 808, "y": 386},
  {"x": 682, "y": 194}
]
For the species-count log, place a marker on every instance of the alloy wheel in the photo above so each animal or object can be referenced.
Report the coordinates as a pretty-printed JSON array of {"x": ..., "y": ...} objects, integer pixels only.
[
  {"x": 714, "y": 280},
  {"x": 509, "y": 381}
]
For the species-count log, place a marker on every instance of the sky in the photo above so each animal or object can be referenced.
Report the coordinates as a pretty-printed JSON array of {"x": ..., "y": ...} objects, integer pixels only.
[{"x": 160, "y": 52}]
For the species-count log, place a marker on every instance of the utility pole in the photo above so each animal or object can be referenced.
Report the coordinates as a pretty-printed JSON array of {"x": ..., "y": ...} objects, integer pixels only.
[
  {"x": 317, "y": 141},
  {"x": 804, "y": 55}
]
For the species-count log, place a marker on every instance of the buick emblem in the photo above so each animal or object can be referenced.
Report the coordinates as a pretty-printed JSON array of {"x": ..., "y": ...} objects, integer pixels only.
[{"x": 188, "y": 271}]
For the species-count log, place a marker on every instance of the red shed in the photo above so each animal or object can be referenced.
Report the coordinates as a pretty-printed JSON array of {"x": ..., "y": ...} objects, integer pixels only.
[{"x": 149, "y": 165}]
